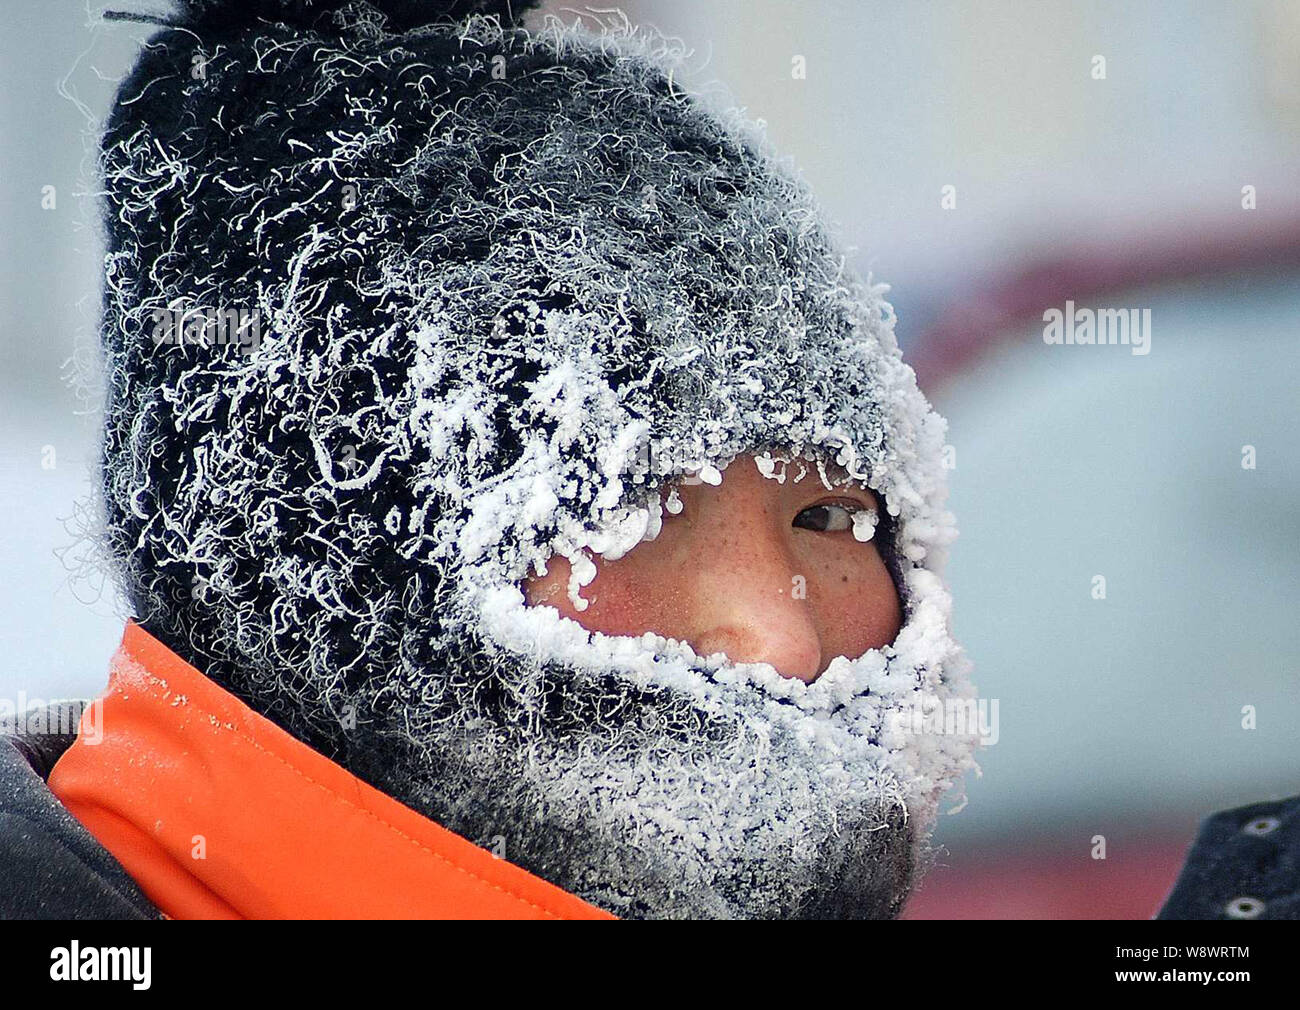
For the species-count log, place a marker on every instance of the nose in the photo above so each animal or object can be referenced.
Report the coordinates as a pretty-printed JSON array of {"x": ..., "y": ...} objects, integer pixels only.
[
  {"x": 791, "y": 652},
  {"x": 748, "y": 608}
]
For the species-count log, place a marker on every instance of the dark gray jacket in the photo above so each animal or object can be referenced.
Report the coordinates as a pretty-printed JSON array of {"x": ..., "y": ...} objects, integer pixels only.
[
  {"x": 1245, "y": 864},
  {"x": 50, "y": 866}
]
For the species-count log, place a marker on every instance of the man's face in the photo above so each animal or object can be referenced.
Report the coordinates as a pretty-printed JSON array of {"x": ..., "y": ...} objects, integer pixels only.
[{"x": 762, "y": 570}]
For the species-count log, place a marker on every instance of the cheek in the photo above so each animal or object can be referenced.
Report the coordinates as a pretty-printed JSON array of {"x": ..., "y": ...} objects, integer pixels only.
[
  {"x": 853, "y": 599},
  {"x": 625, "y": 598}
]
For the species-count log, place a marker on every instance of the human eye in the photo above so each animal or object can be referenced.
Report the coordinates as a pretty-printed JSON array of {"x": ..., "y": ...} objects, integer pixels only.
[{"x": 828, "y": 517}]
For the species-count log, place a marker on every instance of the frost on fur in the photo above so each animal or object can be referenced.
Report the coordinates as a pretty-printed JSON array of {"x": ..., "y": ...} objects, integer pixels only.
[{"x": 512, "y": 286}]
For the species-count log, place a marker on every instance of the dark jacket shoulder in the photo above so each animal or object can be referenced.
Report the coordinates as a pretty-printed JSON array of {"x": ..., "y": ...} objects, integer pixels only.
[
  {"x": 50, "y": 866},
  {"x": 1244, "y": 864}
]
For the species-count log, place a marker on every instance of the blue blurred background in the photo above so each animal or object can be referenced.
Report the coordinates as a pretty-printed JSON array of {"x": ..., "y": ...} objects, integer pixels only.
[{"x": 1119, "y": 717}]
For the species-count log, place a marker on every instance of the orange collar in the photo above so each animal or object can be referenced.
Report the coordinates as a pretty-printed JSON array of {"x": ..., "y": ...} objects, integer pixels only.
[{"x": 216, "y": 812}]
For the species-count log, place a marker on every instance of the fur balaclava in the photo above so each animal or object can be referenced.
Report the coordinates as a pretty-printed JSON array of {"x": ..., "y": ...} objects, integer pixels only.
[{"x": 403, "y": 299}]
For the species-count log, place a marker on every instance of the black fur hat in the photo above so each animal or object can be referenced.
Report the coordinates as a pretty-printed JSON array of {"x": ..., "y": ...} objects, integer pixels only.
[{"x": 404, "y": 298}]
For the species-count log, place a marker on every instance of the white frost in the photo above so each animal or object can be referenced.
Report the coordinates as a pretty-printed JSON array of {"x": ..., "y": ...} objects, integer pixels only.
[{"x": 864, "y": 524}]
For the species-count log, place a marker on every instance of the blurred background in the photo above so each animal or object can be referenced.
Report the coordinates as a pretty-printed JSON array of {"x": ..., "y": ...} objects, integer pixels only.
[{"x": 990, "y": 161}]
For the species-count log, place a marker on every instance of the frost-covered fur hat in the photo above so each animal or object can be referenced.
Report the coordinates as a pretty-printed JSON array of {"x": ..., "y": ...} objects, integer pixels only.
[{"x": 403, "y": 299}]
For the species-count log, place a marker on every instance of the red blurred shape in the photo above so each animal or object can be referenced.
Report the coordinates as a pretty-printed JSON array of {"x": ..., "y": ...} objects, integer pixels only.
[{"x": 1044, "y": 883}]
